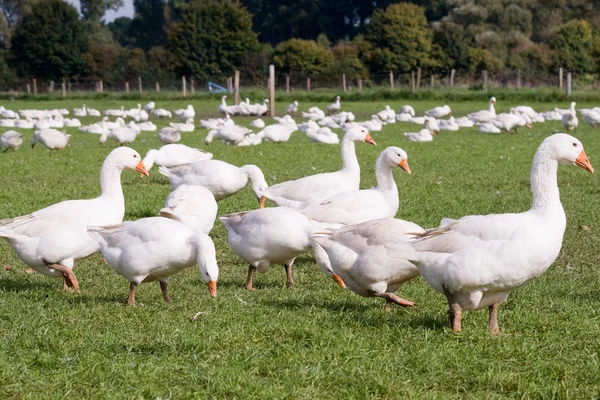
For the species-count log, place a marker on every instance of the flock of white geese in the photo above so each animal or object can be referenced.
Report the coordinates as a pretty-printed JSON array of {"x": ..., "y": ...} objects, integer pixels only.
[{"x": 475, "y": 261}]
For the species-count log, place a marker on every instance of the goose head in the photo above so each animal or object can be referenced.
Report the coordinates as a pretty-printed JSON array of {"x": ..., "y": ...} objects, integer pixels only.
[
  {"x": 565, "y": 149},
  {"x": 127, "y": 158},
  {"x": 207, "y": 261},
  {"x": 357, "y": 133},
  {"x": 492, "y": 100},
  {"x": 395, "y": 156}
]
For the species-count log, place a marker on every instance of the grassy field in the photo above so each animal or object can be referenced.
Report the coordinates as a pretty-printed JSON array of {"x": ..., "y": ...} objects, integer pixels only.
[{"x": 316, "y": 340}]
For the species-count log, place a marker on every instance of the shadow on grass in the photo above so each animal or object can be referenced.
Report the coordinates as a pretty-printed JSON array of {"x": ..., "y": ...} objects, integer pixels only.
[
  {"x": 16, "y": 285},
  {"x": 330, "y": 305}
]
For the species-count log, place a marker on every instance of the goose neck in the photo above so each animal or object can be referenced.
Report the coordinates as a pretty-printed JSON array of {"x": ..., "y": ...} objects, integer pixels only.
[
  {"x": 348, "y": 152},
  {"x": 492, "y": 109},
  {"x": 110, "y": 179},
  {"x": 544, "y": 186},
  {"x": 384, "y": 176}
]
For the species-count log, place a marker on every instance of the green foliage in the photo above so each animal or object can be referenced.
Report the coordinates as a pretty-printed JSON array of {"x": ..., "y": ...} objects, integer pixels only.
[
  {"x": 93, "y": 10},
  {"x": 400, "y": 37},
  {"x": 347, "y": 61},
  {"x": 574, "y": 43},
  {"x": 101, "y": 59},
  {"x": 148, "y": 27},
  {"x": 49, "y": 42},
  {"x": 212, "y": 38},
  {"x": 452, "y": 39},
  {"x": 482, "y": 59},
  {"x": 255, "y": 65},
  {"x": 120, "y": 29},
  {"x": 301, "y": 58}
]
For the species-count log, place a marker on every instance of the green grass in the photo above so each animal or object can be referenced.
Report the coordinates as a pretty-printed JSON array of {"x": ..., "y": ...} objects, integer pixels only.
[{"x": 316, "y": 340}]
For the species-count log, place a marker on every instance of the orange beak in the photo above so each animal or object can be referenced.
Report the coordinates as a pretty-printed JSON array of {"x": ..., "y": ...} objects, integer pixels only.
[
  {"x": 141, "y": 169},
  {"x": 583, "y": 162},
  {"x": 339, "y": 281},
  {"x": 404, "y": 165},
  {"x": 212, "y": 288},
  {"x": 369, "y": 139}
]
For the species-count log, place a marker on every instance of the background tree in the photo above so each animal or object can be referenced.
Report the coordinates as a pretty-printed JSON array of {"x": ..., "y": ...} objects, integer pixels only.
[
  {"x": 302, "y": 58},
  {"x": 148, "y": 25},
  {"x": 49, "y": 42},
  {"x": 575, "y": 44},
  {"x": 212, "y": 38},
  {"x": 14, "y": 9},
  {"x": 120, "y": 30},
  {"x": 93, "y": 10}
]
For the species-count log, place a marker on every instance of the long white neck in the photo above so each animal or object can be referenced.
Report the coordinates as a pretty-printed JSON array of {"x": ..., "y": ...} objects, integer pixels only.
[
  {"x": 256, "y": 177},
  {"x": 348, "y": 152},
  {"x": 110, "y": 179},
  {"x": 385, "y": 178},
  {"x": 492, "y": 109},
  {"x": 150, "y": 158},
  {"x": 543, "y": 178},
  {"x": 573, "y": 109}
]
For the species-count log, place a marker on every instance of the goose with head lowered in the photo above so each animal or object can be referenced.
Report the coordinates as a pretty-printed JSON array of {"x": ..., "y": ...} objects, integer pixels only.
[
  {"x": 313, "y": 189},
  {"x": 476, "y": 261},
  {"x": 172, "y": 155},
  {"x": 357, "y": 206},
  {"x": 10, "y": 140},
  {"x": 54, "y": 239}
]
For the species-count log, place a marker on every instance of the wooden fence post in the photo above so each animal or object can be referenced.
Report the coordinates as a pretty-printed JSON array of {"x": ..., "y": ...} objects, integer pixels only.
[
  {"x": 432, "y": 81},
  {"x": 69, "y": 87},
  {"x": 287, "y": 83},
  {"x": 412, "y": 81},
  {"x": 192, "y": 86},
  {"x": 271, "y": 90},
  {"x": 51, "y": 87},
  {"x": 101, "y": 86},
  {"x": 418, "y": 78},
  {"x": 34, "y": 87},
  {"x": 569, "y": 84},
  {"x": 126, "y": 87},
  {"x": 344, "y": 82},
  {"x": 308, "y": 84},
  {"x": 140, "y": 85},
  {"x": 560, "y": 78},
  {"x": 236, "y": 88},
  {"x": 452, "y": 73},
  {"x": 183, "y": 86},
  {"x": 28, "y": 89},
  {"x": 484, "y": 74},
  {"x": 518, "y": 79},
  {"x": 157, "y": 87},
  {"x": 63, "y": 87},
  {"x": 391, "y": 79},
  {"x": 360, "y": 83}
]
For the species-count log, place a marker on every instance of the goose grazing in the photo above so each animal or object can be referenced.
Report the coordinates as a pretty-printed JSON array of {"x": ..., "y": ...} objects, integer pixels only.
[
  {"x": 192, "y": 205},
  {"x": 50, "y": 138},
  {"x": 173, "y": 155},
  {"x": 292, "y": 109},
  {"x": 374, "y": 124},
  {"x": 10, "y": 140},
  {"x": 570, "y": 120},
  {"x": 354, "y": 207},
  {"x": 439, "y": 112},
  {"x": 335, "y": 106},
  {"x": 169, "y": 135},
  {"x": 221, "y": 178},
  {"x": 358, "y": 254},
  {"x": 268, "y": 236},
  {"x": 313, "y": 189},
  {"x": 484, "y": 115},
  {"x": 424, "y": 135},
  {"x": 406, "y": 109},
  {"x": 323, "y": 135},
  {"x": 257, "y": 123},
  {"x": 162, "y": 113},
  {"x": 149, "y": 107},
  {"x": 123, "y": 135},
  {"x": 509, "y": 122},
  {"x": 188, "y": 126},
  {"x": 591, "y": 117},
  {"x": 477, "y": 260},
  {"x": 188, "y": 114},
  {"x": 53, "y": 239},
  {"x": 154, "y": 249}
]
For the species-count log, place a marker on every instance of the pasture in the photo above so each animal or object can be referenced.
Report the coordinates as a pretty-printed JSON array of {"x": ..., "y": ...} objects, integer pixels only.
[{"x": 315, "y": 340}]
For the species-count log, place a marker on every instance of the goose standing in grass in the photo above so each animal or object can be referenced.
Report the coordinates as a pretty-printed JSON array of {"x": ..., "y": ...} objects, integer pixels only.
[
  {"x": 358, "y": 254},
  {"x": 229, "y": 133},
  {"x": 424, "y": 135},
  {"x": 154, "y": 249},
  {"x": 570, "y": 121},
  {"x": 192, "y": 205},
  {"x": 221, "y": 178},
  {"x": 335, "y": 106},
  {"x": 354, "y": 207},
  {"x": 439, "y": 112},
  {"x": 484, "y": 115},
  {"x": 169, "y": 135},
  {"x": 173, "y": 155},
  {"x": 508, "y": 122},
  {"x": 476, "y": 261},
  {"x": 277, "y": 133},
  {"x": 122, "y": 134},
  {"x": 50, "y": 138},
  {"x": 187, "y": 126},
  {"x": 268, "y": 236},
  {"x": 292, "y": 109},
  {"x": 150, "y": 107},
  {"x": 54, "y": 239},
  {"x": 188, "y": 114},
  {"x": 312, "y": 189},
  {"x": 10, "y": 140},
  {"x": 591, "y": 117}
]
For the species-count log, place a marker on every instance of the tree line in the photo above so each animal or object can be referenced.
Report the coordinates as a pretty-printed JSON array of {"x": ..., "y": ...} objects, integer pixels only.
[{"x": 209, "y": 39}]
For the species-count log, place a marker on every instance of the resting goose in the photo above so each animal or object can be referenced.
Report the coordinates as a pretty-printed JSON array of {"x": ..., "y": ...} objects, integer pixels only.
[
  {"x": 464, "y": 122},
  {"x": 53, "y": 239},
  {"x": 354, "y": 207},
  {"x": 150, "y": 106},
  {"x": 484, "y": 115},
  {"x": 439, "y": 112},
  {"x": 406, "y": 109},
  {"x": 448, "y": 125},
  {"x": 476, "y": 261},
  {"x": 313, "y": 189},
  {"x": 335, "y": 106},
  {"x": 188, "y": 126},
  {"x": 188, "y": 114},
  {"x": 162, "y": 113},
  {"x": 314, "y": 114},
  {"x": 154, "y": 249},
  {"x": 358, "y": 254},
  {"x": 424, "y": 135},
  {"x": 257, "y": 123},
  {"x": 323, "y": 135},
  {"x": 10, "y": 140},
  {"x": 570, "y": 121},
  {"x": 173, "y": 155},
  {"x": 268, "y": 236},
  {"x": 221, "y": 178},
  {"x": 169, "y": 135},
  {"x": 277, "y": 133},
  {"x": 488, "y": 127},
  {"x": 374, "y": 124},
  {"x": 123, "y": 135}
]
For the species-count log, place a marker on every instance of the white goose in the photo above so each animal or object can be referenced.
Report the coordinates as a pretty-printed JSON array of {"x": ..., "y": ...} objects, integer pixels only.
[
  {"x": 424, "y": 135},
  {"x": 150, "y": 106},
  {"x": 357, "y": 206},
  {"x": 188, "y": 126},
  {"x": 439, "y": 112},
  {"x": 477, "y": 261},
  {"x": 268, "y": 236},
  {"x": 80, "y": 112},
  {"x": 323, "y": 135},
  {"x": 53, "y": 239},
  {"x": 487, "y": 127},
  {"x": 169, "y": 135},
  {"x": 50, "y": 138},
  {"x": 257, "y": 123},
  {"x": 406, "y": 109},
  {"x": 188, "y": 114},
  {"x": 192, "y": 205},
  {"x": 314, "y": 114},
  {"x": 313, "y": 189},
  {"x": 374, "y": 124},
  {"x": 123, "y": 135},
  {"x": 92, "y": 112},
  {"x": 154, "y": 249},
  {"x": 464, "y": 122},
  {"x": 484, "y": 115},
  {"x": 26, "y": 123},
  {"x": 335, "y": 106},
  {"x": 10, "y": 140},
  {"x": 162, "y": 113},
  {"x": 291, "y": 109},
  {"x": 570, "y": 121},
  {"x": 277, "y": 133},
  {"x": 387, "y": 116},
  {"x": 173, "y": 155},
  {"x": 449, "y": 125},
  {"x": 358, "y": 254},
  {"x": 508, "y": 122},
  {"x": 229, "y": 134},
  {"x": 221, "y": 178}
]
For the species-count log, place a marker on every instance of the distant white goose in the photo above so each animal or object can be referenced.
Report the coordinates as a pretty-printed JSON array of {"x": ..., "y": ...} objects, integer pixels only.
[
  {"x": 162, "y": 113},
  {"x": 92, "y": 112},
  {"x": 50, "y": 138},
  {"x": 169, "y": 135},
  {"x": 72, "y": 123},
  {"x": 24, "y": 123},
  {"x": 188, "y": 126},
  {"x": 335, "y": 106},
  {"x": 123, "y": 135},
  {"x": 570, "y": 121},
  {"x": 10, "y": 140},
  {"x": 387, "y": 116},
  {"x": 150, "y": 106},
  {"x": 228, "y": 133},
  {"x": 448, "y": 125},
  {"x": 591, "y": 117},
  {"x": 314, "y": 114},
  {"x": 257, "y": 123},
  {"x": 277, "y": 133},
  {"x": 323, "y": 135},
  {"x": 374, "y": 124},
  {"x": 484, "y": 115},
  {"x": 80, "y": 112},
  {"x": 406, "y": 109},
  {"x": 464, "y": 122},
  {"x": 173, "y": 155},
  {"x": 188, "y": 114},
  {"x": 292, "y": 108},
  {"x": 147, "y": 126},
  {"x": 424, "y": 135},
  {"x": 488, "y": 127},
  {"x": 439, "y": 112},
  {"x": 115, "y": 112},
  {"x": 508, "y": 122},
  {"x": 329, "y": 123}
]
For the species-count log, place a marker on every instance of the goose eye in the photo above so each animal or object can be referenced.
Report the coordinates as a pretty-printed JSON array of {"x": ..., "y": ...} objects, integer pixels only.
[
  {"x": 574, "y": 144},
  {"x": 135, "y": 156}
]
